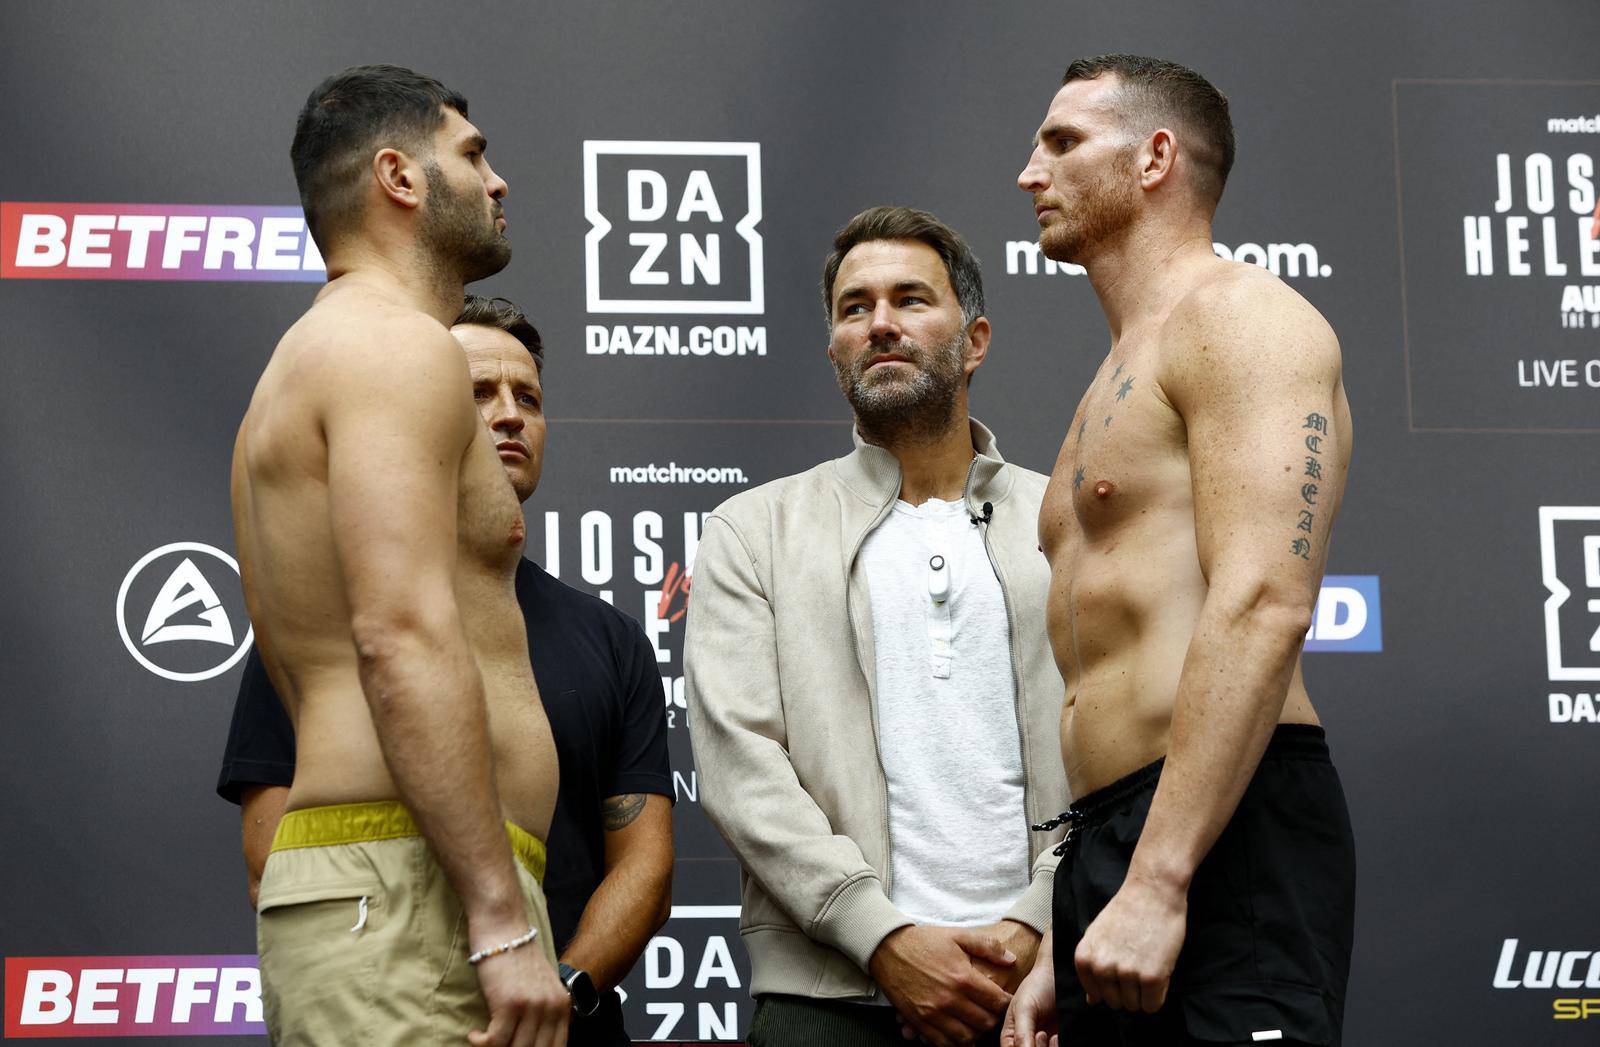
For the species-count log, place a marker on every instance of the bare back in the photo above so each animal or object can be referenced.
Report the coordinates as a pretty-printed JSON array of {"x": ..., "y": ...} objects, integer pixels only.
[
  {"x": 1119, "y": 521},
  {"x": 290, "y": 535}
]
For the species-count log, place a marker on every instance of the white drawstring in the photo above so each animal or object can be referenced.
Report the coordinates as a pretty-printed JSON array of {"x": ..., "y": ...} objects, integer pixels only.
[{"x": 362, "y": 920}]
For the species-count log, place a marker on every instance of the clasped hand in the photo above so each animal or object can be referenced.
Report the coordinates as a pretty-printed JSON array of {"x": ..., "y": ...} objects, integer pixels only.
[{"x": 950, "y": 985}]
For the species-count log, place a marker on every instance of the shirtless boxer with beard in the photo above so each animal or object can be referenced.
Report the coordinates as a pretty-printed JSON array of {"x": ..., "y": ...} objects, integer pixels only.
[
  {"x": 1206, "y": 892},
  {"x": 378, "y": 539}
]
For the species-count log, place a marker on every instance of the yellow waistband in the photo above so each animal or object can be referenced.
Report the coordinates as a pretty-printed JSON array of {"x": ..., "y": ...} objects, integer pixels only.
[{"x": 381, "y": 820}]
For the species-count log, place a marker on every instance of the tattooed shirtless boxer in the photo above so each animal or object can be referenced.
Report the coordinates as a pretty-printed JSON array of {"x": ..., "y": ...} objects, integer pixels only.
[{"x": 1206, "y": 889}]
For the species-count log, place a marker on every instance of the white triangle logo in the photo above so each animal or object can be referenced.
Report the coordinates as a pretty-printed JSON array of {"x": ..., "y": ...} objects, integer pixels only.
[{"x": 186, "y": 586}]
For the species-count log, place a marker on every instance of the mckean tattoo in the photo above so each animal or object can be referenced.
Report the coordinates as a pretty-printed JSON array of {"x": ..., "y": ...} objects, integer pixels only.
[{"x": 1318, "y": 424}]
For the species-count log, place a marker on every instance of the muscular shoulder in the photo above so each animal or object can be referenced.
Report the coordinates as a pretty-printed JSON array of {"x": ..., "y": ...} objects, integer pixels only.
[
  {"x": 353, "y": 343},
  {"x": 363, "y": 360},
  {"x": 1239, "y": 321}
]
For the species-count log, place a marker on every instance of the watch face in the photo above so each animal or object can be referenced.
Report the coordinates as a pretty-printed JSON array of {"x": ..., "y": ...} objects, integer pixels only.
[{"x": 581, "y": 988}]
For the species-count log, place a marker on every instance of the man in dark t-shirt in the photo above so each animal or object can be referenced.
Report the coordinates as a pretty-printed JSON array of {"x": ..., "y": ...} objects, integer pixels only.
[{"x": 610, "y": 842}]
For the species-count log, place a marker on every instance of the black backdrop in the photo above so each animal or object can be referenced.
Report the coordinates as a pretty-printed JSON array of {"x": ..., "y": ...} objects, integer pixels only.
[{"x": 1460, "y": 706}]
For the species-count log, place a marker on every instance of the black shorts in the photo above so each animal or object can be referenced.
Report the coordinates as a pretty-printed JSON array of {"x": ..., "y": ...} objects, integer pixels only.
[{"x": 1266, "y": 956}]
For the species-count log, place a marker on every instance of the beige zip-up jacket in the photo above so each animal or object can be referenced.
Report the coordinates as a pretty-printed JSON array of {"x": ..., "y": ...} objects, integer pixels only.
[{"x": 780, "y": 675}]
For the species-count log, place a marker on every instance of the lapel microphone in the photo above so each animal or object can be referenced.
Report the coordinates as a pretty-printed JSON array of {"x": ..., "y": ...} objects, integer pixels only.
[{"x": 988, "y": 514}]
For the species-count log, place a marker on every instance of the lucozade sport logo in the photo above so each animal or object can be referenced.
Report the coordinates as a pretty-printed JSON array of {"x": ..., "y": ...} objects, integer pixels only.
[
  {"x": 173, "y": 612},
  {"x": 1575, "y": 969},
  {"x": 156, "y": 242},
  {"x": 673, "y": 232},
  {"x": 1569, "y": 555}
]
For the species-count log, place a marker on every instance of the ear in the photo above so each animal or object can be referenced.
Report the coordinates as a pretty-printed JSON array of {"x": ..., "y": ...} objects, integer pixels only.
[
  {"x": 1157, "y": 157},
  {"x": 399, "y": 177},
  {"x": 978, "y": 334}
]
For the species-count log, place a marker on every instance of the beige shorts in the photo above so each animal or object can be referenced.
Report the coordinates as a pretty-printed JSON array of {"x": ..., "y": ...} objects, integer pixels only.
[{"x": 361, "y": 939}]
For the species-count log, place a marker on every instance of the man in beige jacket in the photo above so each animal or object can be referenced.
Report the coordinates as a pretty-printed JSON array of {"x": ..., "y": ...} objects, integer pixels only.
[{"x": 873, "y": 703}]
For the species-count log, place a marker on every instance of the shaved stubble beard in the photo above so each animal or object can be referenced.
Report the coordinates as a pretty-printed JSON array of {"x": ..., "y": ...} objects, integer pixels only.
[
  {"x": 1100, "y": 212},
  {"x": 459, "y": 233},
  {"x": 915, "y": 409}
]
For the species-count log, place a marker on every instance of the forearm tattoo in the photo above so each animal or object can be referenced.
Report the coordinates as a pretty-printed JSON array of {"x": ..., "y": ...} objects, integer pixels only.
[
  {"x": 618, "y": 812},
  {"x": 1310, "y": 489}
]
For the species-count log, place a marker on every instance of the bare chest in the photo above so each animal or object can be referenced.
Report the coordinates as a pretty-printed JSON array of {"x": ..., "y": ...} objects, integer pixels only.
[
  {"x": 489, "y": 517},
  {"x": 1123, "y": 455}
]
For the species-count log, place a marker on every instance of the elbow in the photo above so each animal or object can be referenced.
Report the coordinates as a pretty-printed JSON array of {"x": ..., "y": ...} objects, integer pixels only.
[
  {"x": 379, "y": 639},
  {"x": 1289, "y": 621},
  {"x": 383, "y": 638},
  {"x": 1274, "y": 613}
]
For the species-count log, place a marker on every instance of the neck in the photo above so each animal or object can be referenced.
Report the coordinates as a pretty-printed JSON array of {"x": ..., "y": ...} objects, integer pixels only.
[
  {"x": 409, "y": 277},
  {"x": 1133, "y": 278},
  {"x": 933, "y": 466}
]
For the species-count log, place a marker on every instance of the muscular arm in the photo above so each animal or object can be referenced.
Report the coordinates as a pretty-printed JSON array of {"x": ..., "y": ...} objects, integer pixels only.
[
  {"x": 1268, "y": 462},
  {"x": 635, "y": 897},
  {"x": 1255, "y": 374},
  {"x": 398, "y": 420}
]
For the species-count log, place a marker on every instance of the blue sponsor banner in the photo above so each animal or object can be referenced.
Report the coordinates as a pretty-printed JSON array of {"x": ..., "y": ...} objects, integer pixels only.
[{"x": 1348, "y": 616}]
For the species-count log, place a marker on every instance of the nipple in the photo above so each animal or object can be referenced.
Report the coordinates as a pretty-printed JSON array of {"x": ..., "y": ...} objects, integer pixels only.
[
  {"x": 519, "y": 531},
  {"x": 1104, "y": 489}
]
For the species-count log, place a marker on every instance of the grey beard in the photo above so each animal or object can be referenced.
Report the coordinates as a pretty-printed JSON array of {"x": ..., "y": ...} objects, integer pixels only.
[{"x": 915, "y": 411}]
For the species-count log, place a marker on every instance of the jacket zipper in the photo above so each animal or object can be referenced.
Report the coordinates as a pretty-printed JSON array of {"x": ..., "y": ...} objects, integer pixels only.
[
  {"x": 1016, "y": 675},
  {"x": 872, "y": 696}
]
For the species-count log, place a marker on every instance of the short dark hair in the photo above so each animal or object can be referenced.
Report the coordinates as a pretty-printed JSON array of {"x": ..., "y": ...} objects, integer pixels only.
[
  {"x": 503, "y": 314},
  {"x": 1161, "y": 92},
  {"x": 907, "y": 223},
  {"x": 347, "y": 118}
]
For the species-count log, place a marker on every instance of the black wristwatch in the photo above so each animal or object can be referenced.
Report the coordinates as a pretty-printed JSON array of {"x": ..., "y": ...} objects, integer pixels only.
[{"x": 585, "y": 999}]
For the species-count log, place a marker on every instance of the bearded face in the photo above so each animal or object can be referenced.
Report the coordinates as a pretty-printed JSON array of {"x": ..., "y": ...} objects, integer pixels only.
[
  {"x": 907, "y": 399},
  {"x": 458, "y": 228},
  {"x": 1095, "y": 208}
]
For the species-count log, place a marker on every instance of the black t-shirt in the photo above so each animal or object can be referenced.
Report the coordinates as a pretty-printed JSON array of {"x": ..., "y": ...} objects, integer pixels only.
[{"x": 602, "y": 693}]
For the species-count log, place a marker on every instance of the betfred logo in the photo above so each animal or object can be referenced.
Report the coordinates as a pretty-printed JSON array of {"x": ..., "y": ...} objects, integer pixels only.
[
  {"x": 1348, "y": 615},
  {"x": 673, "y": 227},
  {"x": 81, "y": 996},
  {"x": 156, "y": 242},
  {"x": 181, "y": 613}
]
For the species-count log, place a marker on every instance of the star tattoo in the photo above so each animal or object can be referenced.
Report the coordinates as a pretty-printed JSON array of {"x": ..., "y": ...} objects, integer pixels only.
[
  {"x": 1122, "y": 390},
  {"x": 1077, "y": 478}
]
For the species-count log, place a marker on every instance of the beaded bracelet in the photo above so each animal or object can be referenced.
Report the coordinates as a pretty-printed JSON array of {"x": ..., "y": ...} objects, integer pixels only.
[{"x": 516, "y": 943}]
